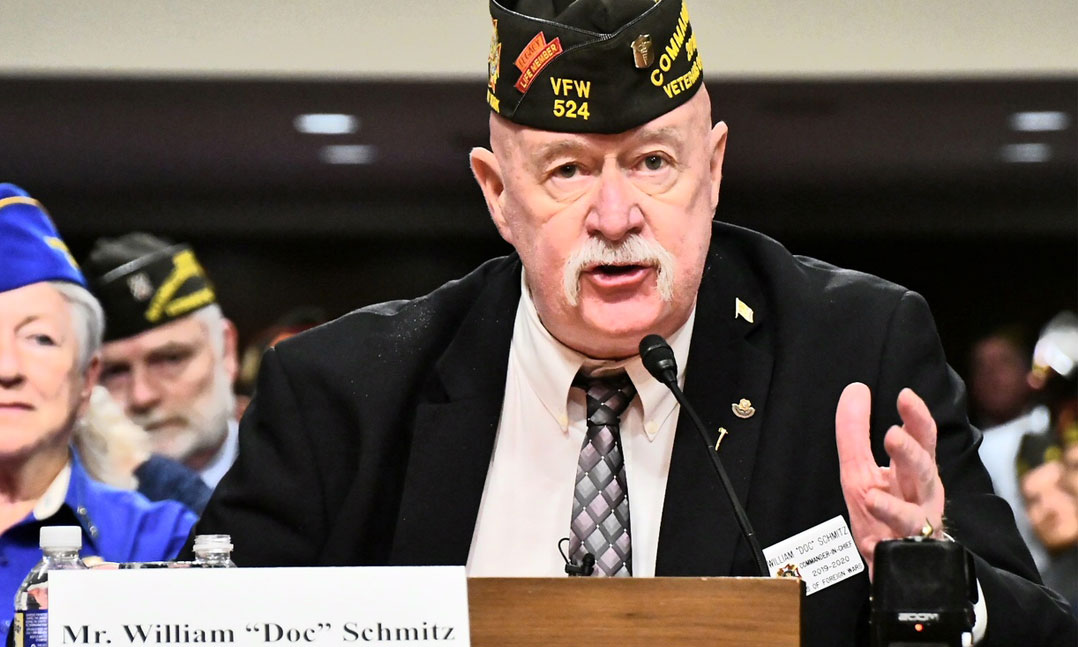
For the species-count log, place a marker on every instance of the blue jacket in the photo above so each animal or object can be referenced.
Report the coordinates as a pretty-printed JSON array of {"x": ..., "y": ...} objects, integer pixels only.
[
  {"x": 117, "y": 525},
  {"x": 161, "y": 479}
]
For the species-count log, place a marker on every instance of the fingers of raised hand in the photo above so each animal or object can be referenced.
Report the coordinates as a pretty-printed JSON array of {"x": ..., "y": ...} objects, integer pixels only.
[
  {"x": 902, "y": 518},
  {"x": 852, "y": 431},
  {"x": 913, "y": 469},
  {"x": 918, "y": 420}
]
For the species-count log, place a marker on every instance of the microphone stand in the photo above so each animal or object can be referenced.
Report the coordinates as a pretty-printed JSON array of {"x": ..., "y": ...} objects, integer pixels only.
[{"x": 659, "y": 360}]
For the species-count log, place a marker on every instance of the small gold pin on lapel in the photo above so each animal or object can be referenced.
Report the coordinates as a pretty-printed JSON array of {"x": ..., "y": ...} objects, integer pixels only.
[
  {"x": 722, "y": 434},
  {"x": 742, "y": 309},
  {"x": 643, "y": 51},
  {"x": 743, "y": 409}
]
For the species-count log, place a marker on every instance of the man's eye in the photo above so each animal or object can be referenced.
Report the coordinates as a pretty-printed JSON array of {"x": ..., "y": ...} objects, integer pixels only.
[
  {"x": 170, "y": 358},
  {"x": 567, "y": 171},
  {"x": 113, "y": 372},
  {"x": 654, "y": 162},
  {"x": 43, "y": 340}
]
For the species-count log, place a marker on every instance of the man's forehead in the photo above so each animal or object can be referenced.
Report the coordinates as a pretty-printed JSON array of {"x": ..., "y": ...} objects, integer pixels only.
[{"x": 187, "y": 331}]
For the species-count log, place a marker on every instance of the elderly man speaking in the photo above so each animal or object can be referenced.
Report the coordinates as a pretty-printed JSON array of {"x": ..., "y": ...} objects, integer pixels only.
[
  {"x": 50, "y": 333},
  {"x": 485, "y": 422}
]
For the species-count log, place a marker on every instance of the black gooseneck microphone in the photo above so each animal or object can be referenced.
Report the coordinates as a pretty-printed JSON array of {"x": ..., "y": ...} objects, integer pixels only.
[{"x": 659, "y": 359}]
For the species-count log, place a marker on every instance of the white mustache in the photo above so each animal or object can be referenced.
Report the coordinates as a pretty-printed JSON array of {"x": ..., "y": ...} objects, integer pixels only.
[{"x": 634, "y": 250}]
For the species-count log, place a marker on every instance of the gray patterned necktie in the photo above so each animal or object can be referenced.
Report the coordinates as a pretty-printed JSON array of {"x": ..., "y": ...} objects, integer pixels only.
[{"x": 600, "y": 523}]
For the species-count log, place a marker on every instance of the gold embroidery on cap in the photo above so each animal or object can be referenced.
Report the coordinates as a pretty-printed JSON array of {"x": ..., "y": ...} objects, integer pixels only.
[
  {"x": 494, "y": 59},
  {"x": 494, "y": 66},
  {"x": 58, "y": 245},
  {"x": 184, "y": 267}
]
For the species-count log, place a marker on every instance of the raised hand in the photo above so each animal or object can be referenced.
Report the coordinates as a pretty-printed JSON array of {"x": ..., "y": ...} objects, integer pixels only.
[{"x": 901, "y": 500}]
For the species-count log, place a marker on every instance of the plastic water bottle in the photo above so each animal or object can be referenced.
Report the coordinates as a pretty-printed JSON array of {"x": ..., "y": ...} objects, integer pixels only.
[
  {"x": 60, "y": 547},
  {"x": 212, "y": 551}
]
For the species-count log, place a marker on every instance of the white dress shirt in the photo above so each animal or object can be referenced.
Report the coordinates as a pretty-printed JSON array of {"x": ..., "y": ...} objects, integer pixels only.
[
  {"x": 528, "y": 497},
  {"x": 220, "y": 463}
]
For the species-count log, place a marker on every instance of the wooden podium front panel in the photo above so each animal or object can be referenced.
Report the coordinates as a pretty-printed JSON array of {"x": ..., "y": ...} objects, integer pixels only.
[{"x": 632, "y": 612}]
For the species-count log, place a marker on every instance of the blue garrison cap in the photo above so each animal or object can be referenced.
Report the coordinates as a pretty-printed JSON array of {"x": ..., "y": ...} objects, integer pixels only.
[{"x": 30, "y": 247}]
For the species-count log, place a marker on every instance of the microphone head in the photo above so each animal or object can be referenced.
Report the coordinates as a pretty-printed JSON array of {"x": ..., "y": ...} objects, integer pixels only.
[
  {"x": 658, "y": 358},
  {"x": 587, "y": 565}
]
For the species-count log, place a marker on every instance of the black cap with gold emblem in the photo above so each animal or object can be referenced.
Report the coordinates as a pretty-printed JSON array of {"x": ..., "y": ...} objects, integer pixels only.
[
  {"x": 143, "y": 282},
  {"x": 594, "y": 66}
]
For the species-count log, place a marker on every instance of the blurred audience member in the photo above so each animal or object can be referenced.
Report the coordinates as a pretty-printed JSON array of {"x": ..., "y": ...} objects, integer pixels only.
[
  {"x": 293, "y": 322},
  {"x": 1055, "y": 376},
  {"x": 1052, "y": 510},
  {"x": 1047, "y": 460},
  {"x": 50, "y": 333},
  {"x": 1001, "y": 396},
  {"x": 998, "y": 381},
  {"x": 1070, "y": 455},
  {"x": 170, "y": 354},
  {"x": 118, "y": 452}
]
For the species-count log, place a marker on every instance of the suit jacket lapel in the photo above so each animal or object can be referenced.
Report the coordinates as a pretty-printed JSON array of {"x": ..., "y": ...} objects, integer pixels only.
[
  {"x": 727, "y": 362},
  {"x": 454, "y": 430}
]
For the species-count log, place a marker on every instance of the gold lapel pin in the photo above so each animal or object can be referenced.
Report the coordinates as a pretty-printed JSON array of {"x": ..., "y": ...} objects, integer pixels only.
[
  {"x": 743, "y": 409},
  {"x": 722, "y": 434},
  {"x": 742, "y": 309},
  {"x": 643, "y": 51}
]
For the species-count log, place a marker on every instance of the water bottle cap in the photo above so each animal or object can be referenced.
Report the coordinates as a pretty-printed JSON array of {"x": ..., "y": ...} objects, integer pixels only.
[
  {"x": 213, "y": 542},
  {"x": 61, "y": 537}
]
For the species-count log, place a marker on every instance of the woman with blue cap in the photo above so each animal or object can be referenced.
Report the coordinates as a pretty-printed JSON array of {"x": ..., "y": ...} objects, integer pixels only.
[{"x": 50, "y": 333}]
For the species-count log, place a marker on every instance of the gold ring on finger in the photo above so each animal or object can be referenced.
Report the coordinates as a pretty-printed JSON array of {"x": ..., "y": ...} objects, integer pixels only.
[{"x": 928, "y": 529}]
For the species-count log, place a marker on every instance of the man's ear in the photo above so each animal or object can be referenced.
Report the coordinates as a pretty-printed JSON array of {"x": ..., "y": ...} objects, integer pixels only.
[
  {"x": 488, "y": 174},
  {"x": 231, "y": 352},
  {"x": 717, "y": 145}
]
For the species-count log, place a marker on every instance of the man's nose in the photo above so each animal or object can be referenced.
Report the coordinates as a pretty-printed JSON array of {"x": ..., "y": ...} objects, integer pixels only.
[
  {"x": 615, "y": 213},
  {"x": 143, "y": 393}
]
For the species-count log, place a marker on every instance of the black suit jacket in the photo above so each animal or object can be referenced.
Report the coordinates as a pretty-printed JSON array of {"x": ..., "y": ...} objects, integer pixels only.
[{"x": 370, "y": 437}]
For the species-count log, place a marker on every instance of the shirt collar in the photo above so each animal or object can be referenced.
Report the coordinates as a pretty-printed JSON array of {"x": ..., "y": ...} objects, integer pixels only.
[
  {"x": 223, "y": 459},
  {"x": 72, "y": 489},
  {"x": 551, "y": 367},
  {"x": 55, "y": 495}
]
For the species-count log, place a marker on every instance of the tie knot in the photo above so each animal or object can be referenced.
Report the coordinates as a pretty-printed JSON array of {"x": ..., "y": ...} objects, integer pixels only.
[{"x": 607, "y": 397}]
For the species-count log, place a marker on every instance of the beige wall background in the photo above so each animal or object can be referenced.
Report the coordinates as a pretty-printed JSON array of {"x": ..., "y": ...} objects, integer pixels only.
[{"x": 449, "y": 38}]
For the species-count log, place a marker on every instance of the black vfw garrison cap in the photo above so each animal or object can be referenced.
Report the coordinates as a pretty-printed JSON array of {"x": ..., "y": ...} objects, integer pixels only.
[
  {"x": 143, "y": 282},
  {"x": 590, "y": 66}
]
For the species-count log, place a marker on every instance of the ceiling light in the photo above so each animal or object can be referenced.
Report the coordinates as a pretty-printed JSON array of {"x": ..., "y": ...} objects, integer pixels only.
[
  {"x": 348, "y": 154},
  {"x": 327, "y": 124},
  {"x": 1026, "y": 153},
  {"x": 1039, "y": 122}
]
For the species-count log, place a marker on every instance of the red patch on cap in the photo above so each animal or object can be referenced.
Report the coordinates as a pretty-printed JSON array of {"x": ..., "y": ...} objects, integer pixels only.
[{"x": 536, "y": 55}]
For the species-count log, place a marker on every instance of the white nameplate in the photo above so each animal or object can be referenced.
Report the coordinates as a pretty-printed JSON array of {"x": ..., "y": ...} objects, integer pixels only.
[
  {"x": 821, "y": 556},
  {"x": 264, "y": 607}
]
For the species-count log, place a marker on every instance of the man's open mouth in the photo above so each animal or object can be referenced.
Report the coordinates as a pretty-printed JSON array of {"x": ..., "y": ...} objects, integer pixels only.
[{"x": 618, "y": 270}]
